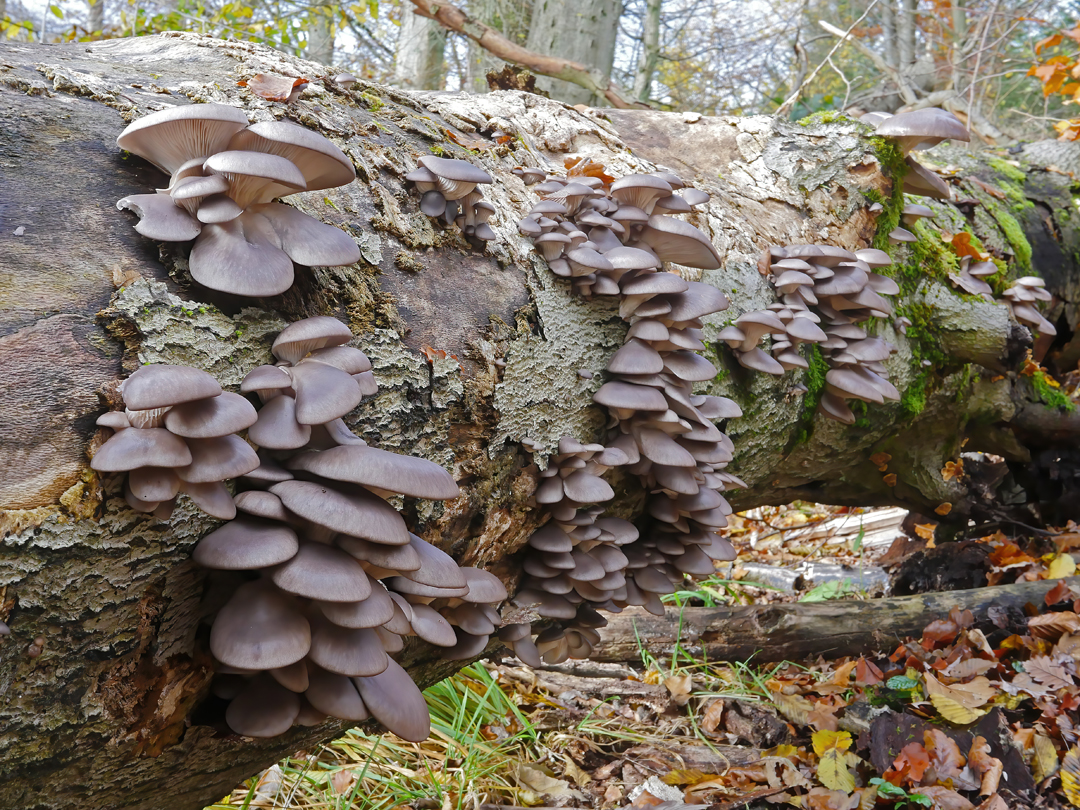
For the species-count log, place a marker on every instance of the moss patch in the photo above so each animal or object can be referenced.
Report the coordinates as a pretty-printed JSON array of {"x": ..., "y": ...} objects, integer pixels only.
[
  {"x": 1050, "y": 393},
  {"x": 823, "y": 117},
  {"x": 913, "y": 400},
  {"x": 814, "y": 379}
]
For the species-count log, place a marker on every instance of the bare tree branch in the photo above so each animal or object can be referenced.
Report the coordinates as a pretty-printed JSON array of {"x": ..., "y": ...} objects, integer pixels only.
[{"x": 454, "y": 19}]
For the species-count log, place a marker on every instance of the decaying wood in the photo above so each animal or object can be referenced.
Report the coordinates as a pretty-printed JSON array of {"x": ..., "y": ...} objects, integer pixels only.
[
  {"x": 799, "y": 630},
  {"x": 474, "y": 351}
]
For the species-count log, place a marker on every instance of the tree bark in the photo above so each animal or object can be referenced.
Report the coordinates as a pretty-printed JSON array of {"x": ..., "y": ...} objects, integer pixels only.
[
  {"x": 320, "y": 45},
  {"x": 107, "y": 715},
  {"x": 421, "y": 47},
  {"x": 794, "y": 632},
  {"x": 583, "y": 32},
  {"x": 650, "y": 51},
  {"x": 95, "y": 19}
]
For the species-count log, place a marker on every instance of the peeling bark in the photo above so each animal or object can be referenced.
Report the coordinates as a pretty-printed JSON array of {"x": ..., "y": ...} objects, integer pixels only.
[{"x": 103, "y": 718}]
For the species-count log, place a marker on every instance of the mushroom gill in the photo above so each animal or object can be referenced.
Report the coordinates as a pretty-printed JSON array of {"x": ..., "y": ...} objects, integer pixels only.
[{"x": 224, "y": 178}]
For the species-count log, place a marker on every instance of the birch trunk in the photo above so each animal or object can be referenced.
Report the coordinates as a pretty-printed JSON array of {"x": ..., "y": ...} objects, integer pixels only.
[
  {"x": 107, "y": 715},
  {"x": 650, "y": 51},
  {"x": 583, "y": 31},
  {"x": 421, "y": 47}
]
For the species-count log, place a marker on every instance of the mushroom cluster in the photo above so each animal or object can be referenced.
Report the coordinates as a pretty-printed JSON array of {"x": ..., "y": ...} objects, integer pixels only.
[
  {"x": 331, "y": 578},
  {"x": 223, "y": 178},
  {"x": 449, "y": 190},
  {"x": 177, "y": 434},
  {"x": 825, "y": 292},
  {"x": 595, "y": 234},
  {"x": 971, "y": 275},
  {"x": 911, "y": 213},
  {"x": 612, "y": 240},
  {"x": 913, "y": 131},
  {"x": 1021, "y": 298}
]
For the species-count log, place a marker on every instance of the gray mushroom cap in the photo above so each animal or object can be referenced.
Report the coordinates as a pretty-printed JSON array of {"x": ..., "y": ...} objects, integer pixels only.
[
  {"x": 259, "y": 628},
  {"x": 246, "y": 543},
  {"x": 297, "y": 339},
  {"x": 217, "y": 459},
  {"x": 323, "y": 392},
  {"x": 335, "y": 695},
  {"x": 141, "y": 447},
  {"x": 922, "y": 129},
  {"x": 243, "y": 257},
  {"x": 277, "y": 428},
  {"x": 376, "y": 610},
  {"x": 484, "y": 587},
  {"x": 673, "y": 240},
  {"x": 346, "y": 651},
  {"x": 456, "y": 178},
  {"x": 161, "y": 386},
  {"x": 169, "y": 138},
  {"x": 353, "y": 511},
  {"x": 370, "y": 466},
  {"x": 921, "y": 180},
  {"x": 396, "y": 702},
  {"x": 321, "y": 162},
  {"x": 437, "y": 568},
  {"x": 306, "y": 240},
  {"x": 211, "y": 417},
  {"x": 255, "y": 177},
  {"x": 160, "y": 218},
  {"x": 325, "y": 573},
  {"x": 263, "y": 708}
]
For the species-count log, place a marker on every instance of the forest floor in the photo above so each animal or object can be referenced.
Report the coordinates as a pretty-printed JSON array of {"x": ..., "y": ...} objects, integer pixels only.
[{"x": 959, "y": 718}]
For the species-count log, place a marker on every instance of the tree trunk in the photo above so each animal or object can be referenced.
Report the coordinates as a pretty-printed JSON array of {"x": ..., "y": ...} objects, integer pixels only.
[
  {"x": 888, "y": 34},
  {"x": 794, "y": 632},
  {"x": 421, "y": 48},
  {"x": 650, "y": 51},
  {"x": 106, "y": 716},
  {"x": 320, "y": 45},
  {"x": 95, "y": 19},
  {"x": 584, "y": 32}
]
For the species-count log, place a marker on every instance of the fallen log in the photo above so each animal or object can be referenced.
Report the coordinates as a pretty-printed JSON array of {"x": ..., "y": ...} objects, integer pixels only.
[{"x": 798, "y": 630}]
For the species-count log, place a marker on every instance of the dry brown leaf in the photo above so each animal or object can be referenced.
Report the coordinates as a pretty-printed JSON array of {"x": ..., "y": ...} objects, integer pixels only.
[
  {"x": 994, "y": 802},
  {"x": 969, "y": 668},
  {"x": 1044, "y": 763},
  {"x": 911, "y": 763},
  {"x": 273, "y": 87},
  {"x": 977, "y": 692},
  {"x": 944, "y": 754},
  {"x": 946, "y": 799},
  {"x": 536, "y": 780},
  {"x": 572, "y": 770},
  {"x": 680, "y": 687},
  {"x": 710, "y": 721},
  {"x": 1048, "y": 672},
  {"x": 987, "y": 767},
  {"x": 867, "y": 673},
  {"x": 341, "y": 781},
  {"x": 1054, "y": 625}
]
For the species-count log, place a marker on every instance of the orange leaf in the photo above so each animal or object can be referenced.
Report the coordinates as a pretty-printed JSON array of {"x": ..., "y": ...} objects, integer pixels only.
[
  {"x": 939, "y": 631},
  {"x": 867, "y": 673},
  {"x": 1049, "y": 42},
  {"x": 943, "y": 509},
  {"x": 925, "y": 530},
  {"x": 911, "y": 763},
  {"x": 944, "y": 754}
]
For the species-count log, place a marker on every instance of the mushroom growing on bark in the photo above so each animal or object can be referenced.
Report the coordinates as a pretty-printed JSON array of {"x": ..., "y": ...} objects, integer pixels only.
[
  {"x": 224, "y": 177},
  {"x": 177, "y": 434},
  {"x": 448, "y": 190}
]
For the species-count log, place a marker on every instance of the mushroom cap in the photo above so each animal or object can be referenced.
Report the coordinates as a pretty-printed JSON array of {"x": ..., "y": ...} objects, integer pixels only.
[
  {"x": 437, "y": 568},
  {"x": 153, "y": 484},
  {"x": 211, "y": 417},
  {"x": 263, "y": 708},
  {"x": 160, "y": 218},
  {"x": 902, "y": 235},
  {"x": 217, "y": 459},
  {"x": 673, "y": 240},
  {"x": 161, "y": 386},
  {"x": 552, "y": 539},
  {"x": 335, "y": 695},
  {"x": 484, "y": 586},
  {"x": 266, "y": 378},
  {"x": 353, "y": 511},
  {"x": 396, "y": 702},
  {"x": 394, "y": 558},
  {"x": 346, "y": 651},
  {"x": 321, "y": 162},
  {"x": 659, "y": 447},
  {"x": 757, "y": 360},
  {"x": 457, "y": 170},
  {"x": 689, "y": 366},
  {"x": 468, "y": 645},
  {"x": 430, "y": 625},
  {"x": 654, "y": 284},
  {"x": 636, "y": 357},
  {"x": 369, "y": 466},
  {"x": 640, "y": 191},
  {"x": 141, "y": 447},
  {"x": 323, "y": 392},
  {"x": 255, "y": 177},
  {"x": 242, "y": 256},
  {"x": 697, "y": 301},
  {"x": 259, "y": 628},
  {"x": 276, "y": 427},
  {"x": 247, "y": 543},
  {"x": 306, "y": 240},
  {"x": 921, "y": 180},
  {"x": 921, "y": 129},
  {"x": 297, "y": 339},
  {"x": 262, "y": 504},
  {"x": 874, "y": 257},
  {"x": 374, "y": 611},
  {"x": 218, "y": 208},
  {"x": 323, "y": 572},
  {"x": 169, "y": 138}
]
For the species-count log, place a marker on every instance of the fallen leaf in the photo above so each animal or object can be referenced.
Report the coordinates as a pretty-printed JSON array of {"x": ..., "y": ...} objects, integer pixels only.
[
  {"x": 273, "y": 87},
  {"x": 710, "y": 721},
  {"x": 1054, "y": 625},
  {"x": 925, "y": 530},
  {"x": 961, "y": 669},
  {"x": 945, "y": 799},
  {"x": 939, "y": 631},
  {"x": 890, "y": 480},
  {"x": 680, "y": 687},
  {"x": 341, "y": 781},
  {"x": 867, "y": 673},
  {"x": 995, "y": 802},
  {"x": 944, "y": 754},
  {"x": 1048, "y": 672},
  {"x": 987, "y": 767},
  {"x": 819, "y": 799},
  {"x": 1059, "y": 593},
  {"x": 1044, "y": 763},
  {"x": 1070, "y": 776},
  {"x": 531, "y": 777},
  {"x": 572, "y": 770},
  {"x": 911, "y": 763},
  {"x": 943, "y": 509},
  {"x": 833, "y": 759},
  {"x": 1062, "y": 566}
]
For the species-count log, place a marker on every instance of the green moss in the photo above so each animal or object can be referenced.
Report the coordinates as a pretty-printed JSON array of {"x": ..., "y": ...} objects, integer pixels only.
[
  {"x": 913, "y": 400},
  {"x": 1014, "y": 233},
  {"x": 437, "y": 150},
  {"x": 891, "y": 160},
  {"x": 1050, "y": 395},
  {"x": 1014, "y": 173},
  {"x": 822, "y": 117},
  {"x": 814, "y": 380},
  {"x": 374, "y": 103}
]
